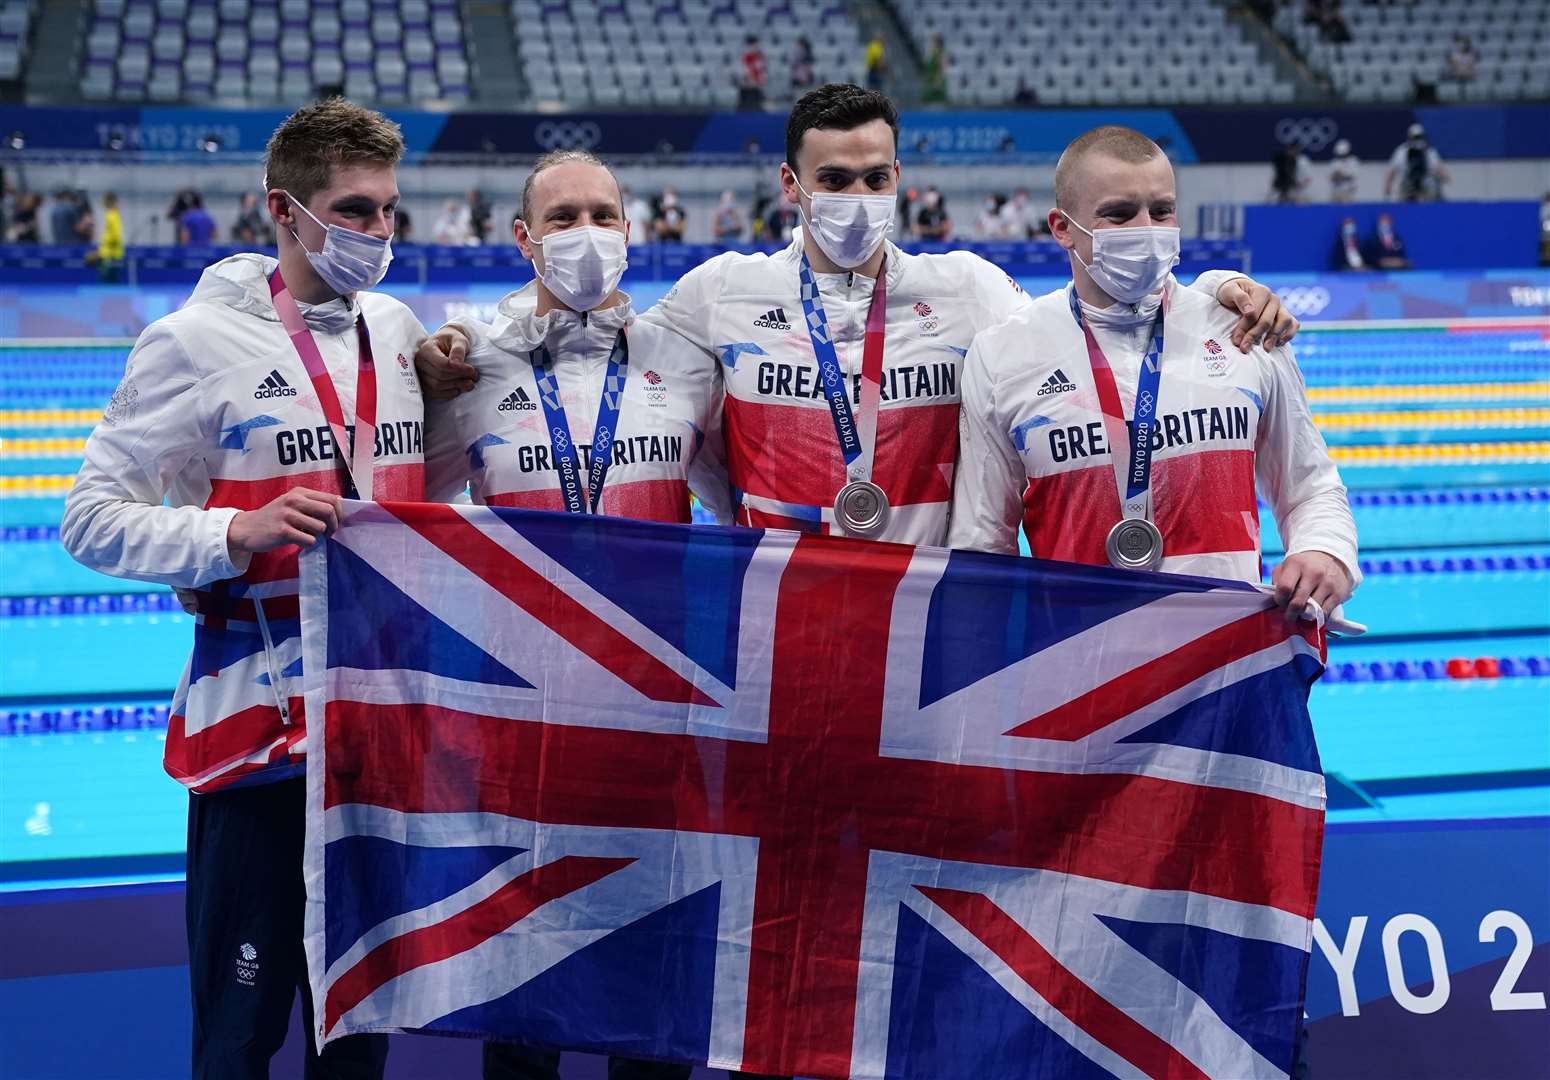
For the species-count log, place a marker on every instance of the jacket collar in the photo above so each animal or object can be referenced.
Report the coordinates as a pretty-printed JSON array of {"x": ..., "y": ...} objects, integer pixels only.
[
  {"x": 520, "y": 329},
  {"x": 241, "y": 282},
  {"x": 893, "y": 264}
]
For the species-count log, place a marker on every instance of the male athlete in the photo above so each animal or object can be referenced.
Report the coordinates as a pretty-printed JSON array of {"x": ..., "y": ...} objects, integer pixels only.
[
  {"x": 581, "y": 407},
  {"x": 240, "y": 422},
  {"x": 841, "y": 406},
  {"x": 1112, "y": 422},
  {"x": 568, "y": 353}
]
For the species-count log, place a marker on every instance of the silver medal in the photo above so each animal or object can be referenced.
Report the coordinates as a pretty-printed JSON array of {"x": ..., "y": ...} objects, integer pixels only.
[
  {"x": 1135, "y": 544},
  {"x": 861, "y": 509}
]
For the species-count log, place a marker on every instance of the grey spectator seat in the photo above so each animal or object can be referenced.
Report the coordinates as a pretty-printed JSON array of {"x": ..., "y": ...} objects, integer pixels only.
[{"x": 266, "y": 51}]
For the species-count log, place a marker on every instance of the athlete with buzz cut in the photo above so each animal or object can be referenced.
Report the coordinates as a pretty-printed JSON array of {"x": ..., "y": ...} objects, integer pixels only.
[
  {"x": 241, "y": 420},
  {"x": 581, "y": 408},
  {"x": 1111, "y": 422},
  {"x": 567, "y": 352},
  {"x": 842, "y": 355}
]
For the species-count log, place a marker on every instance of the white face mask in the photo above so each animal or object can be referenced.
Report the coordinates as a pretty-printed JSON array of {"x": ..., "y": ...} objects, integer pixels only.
[
  {"x": 849, "y": 228},
  {"x": 583, "y": 265},
  {"x": 350, "y": 261},
  {"x": 1131, "y": 263}
]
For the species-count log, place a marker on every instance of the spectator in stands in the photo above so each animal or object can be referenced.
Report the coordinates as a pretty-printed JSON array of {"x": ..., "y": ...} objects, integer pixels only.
[
  {"x": 727, "y": 225},
  {"x": 933, "y": 223},
  {"x": 1333, "y": 27},
  {"x": 24, "y": 220},
  {"x": 403, "y": 226},
  {"x": 876, "y": 62},
  {"x": 1462, "y": 60},
  {"x": 85, "y": 222},
  {"x": 1348, "y": 247},
  {"x": 637, "y": 211},
  {"x": 1387, "y": 250},
  {"x": 62, "y": 216},
  {"x": 1024, "y": 96},
  {"x": 933, "y": 75},
  {"x": 751, "y": 78},
  {"x": 178, "y": 207},
  {"x": 1020, "y": 220},
  {"x": 803, "y": 69},
  {"x": 1417, "y": 167},
  {"x": 670, "y": 218},
  {"x": 1291, "y": 174},
  {"x": 1544, "y": 230},
  {"x": 110, "y": 249},
  {"x": 1343, "y": 170},
  {"x": 252, "y": 228},
  {"x": 905, "y": 226},
  {"x": 196, "y": 228},
  {"x": 779, "y": 222},
  {"x": 991, "y": 224},
  {"x": 453, "y": 228},
  {"x": 478, "y": 216}
]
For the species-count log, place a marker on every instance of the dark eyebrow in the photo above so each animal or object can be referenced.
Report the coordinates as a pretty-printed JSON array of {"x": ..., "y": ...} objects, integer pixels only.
[
  {"x": 350, "y": 202},
  {"x": 886, "y": 166}
]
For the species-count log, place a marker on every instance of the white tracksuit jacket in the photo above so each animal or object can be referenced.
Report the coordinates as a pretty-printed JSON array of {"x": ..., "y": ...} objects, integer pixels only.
[
  {"x": 1033, "y": 447},
  {"x": 494, "y": 438},
  {"x": 216, "y": 415},
  {"x": 782, "y": 453}
]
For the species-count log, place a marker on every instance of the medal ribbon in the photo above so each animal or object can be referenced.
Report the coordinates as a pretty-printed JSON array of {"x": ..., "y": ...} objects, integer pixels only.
[
  {"x": 857, "y": 431},
  {"x": 1132, "y": 473},
  {"x": 578, "y": 501},
  {"x": 355, "y": 457}
]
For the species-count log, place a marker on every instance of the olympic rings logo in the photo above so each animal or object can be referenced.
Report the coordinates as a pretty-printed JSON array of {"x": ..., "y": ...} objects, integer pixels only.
[
  {"x": 1305, "y": 301},
  {"x": 1308, "y": 133},
  {"x": 567, "y": 134}
]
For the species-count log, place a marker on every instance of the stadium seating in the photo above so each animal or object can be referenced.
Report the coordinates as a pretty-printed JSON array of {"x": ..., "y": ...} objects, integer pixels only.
[
  {"x": 1093, "y": 52},
  {"x": 16, "y": 19},
  {"x": 1395, "y": 44},
  {"x": 264, "y": 52},
  {"x": 689, "y": 52}
]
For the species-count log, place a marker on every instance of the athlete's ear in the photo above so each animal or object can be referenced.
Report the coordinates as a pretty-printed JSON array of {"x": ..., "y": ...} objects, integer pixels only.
[
  {"x": 1060, "y": 228},
  {"x": 279, "y": 206},
  {"x": 524, "y": 238},
  {"x": 788, "y": 184}
]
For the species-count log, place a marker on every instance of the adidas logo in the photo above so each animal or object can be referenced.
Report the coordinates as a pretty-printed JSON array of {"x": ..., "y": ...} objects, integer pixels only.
[
  {"x": 1056, "y": 384},
  {"x": 274, "y": 386},
  {"x": 515, "y": 400},
  {"x": 774, "y": 319}
]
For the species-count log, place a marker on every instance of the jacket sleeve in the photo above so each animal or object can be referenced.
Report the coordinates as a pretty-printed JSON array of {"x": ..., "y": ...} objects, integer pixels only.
[
  {"x": 151, "y": 431},
  {"x": 688, "y": 307},
  {"x": 708, "y": 472},
  {"x": 988, "y": 485},
  {"x": 1210, "y": 281},
  {"x": 447, "y": 468},
  {"x": 999, "y": 295},
  {"x": 1295, "y": 473}
]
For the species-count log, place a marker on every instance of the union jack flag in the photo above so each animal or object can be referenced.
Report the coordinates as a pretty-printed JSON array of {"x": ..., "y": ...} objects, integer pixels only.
[{"x": 803, "y": 805}]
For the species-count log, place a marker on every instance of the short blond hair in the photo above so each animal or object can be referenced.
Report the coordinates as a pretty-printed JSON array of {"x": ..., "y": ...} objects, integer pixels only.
[
  {"x": 303, "y": 151},
  {"x": 1125, "y": 144},
  {"x": 562, "y": 157}
]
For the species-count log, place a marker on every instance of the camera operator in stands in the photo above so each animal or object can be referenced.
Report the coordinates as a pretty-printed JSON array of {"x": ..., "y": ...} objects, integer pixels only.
[
  {"x": 1291, "y": 174},
  {"x": 1418, "y": 168}
]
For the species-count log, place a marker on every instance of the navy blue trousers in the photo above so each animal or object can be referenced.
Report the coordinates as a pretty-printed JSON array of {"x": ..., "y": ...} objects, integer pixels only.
[{"x": 245, "y": 901}]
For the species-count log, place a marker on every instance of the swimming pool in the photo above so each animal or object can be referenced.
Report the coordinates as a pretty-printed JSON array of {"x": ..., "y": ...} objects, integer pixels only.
[{"x": 1442, "y": 434}]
